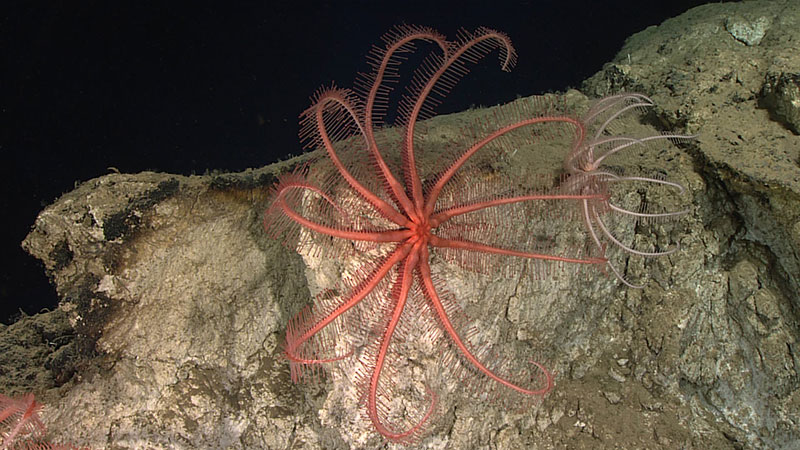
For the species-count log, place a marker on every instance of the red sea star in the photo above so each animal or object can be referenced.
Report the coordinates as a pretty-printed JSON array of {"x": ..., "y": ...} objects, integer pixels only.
[{"x": 352, "y": 202}]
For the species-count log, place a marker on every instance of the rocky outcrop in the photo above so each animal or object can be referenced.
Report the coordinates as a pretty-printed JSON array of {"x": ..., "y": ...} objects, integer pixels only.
[{"x": 178, "y": 300}]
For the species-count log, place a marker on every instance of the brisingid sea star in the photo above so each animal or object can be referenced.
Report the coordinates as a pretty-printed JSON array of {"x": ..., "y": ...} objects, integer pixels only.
[{"x": 351, "y": 202}]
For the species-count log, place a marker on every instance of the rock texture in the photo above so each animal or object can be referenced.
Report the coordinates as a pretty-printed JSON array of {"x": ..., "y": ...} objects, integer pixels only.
[{"x": 178, "y": 301}]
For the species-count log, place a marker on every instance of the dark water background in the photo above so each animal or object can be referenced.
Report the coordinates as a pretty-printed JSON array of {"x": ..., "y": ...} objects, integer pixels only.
[{"x": 189, "y": 87}]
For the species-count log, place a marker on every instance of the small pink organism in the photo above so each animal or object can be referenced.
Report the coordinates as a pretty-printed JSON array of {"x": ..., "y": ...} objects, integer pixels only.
[
  {"x": 19, "y": 419},
  {"x": 21, "y": 427},
  {"x": 590, "y": 169}
]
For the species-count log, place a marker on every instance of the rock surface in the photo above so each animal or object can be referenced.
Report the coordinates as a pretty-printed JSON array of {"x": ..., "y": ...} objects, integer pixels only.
[{"x": 178, "y": 301}]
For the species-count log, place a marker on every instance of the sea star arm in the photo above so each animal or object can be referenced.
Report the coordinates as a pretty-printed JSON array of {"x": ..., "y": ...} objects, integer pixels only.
[
  {"x": 384, "y": 60},
  {"x": 373, "y": 236},
  {"x": 328, "y": 101},
  {"x": 477, "y": 45},
  {"x": 434, "y": 193},
  {"x": 308, "y": 324},
  {"x": 464, "y": 347},
  {"x": 478, "y": 247},
  {"x": 280, "y": 205},
  {"x": 373, "y": 400},
  {"x": 448, "y": 214}
]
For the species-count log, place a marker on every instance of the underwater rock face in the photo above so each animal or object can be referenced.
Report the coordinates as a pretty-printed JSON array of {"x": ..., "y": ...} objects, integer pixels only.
[
  {"x": 180, "y": 302},
  {"x": 781, "y": 96}
]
